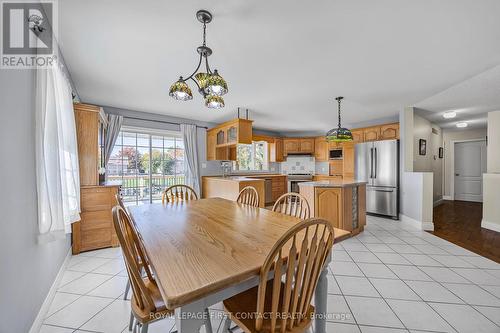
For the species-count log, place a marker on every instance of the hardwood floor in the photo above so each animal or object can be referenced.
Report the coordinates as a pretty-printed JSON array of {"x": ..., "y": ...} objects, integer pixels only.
[{"x": 460, "y": 223}]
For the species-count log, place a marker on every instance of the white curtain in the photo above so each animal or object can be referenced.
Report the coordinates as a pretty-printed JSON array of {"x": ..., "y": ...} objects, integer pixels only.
[
  {"x": 191, "y": 168},
  {"x": 58, "y": 180}
]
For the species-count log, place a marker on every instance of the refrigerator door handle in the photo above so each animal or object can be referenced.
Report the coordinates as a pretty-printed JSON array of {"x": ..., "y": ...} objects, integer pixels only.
[
  {"x": 375, "y": 163},
  {"x": 371, "y": 162}
]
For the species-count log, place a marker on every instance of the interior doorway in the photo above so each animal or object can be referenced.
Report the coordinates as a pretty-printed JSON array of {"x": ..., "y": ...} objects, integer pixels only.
[{"x": 469, "y": 166}]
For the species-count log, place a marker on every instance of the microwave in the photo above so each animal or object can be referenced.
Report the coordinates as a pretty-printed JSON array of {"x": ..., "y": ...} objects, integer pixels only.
[{"x": 336, "y": 154}]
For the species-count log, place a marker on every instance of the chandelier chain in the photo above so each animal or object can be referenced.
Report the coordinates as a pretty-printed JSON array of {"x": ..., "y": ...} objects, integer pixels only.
[
  {"x": 204, "y": 34},
  {"x": 338, "y": 101}
]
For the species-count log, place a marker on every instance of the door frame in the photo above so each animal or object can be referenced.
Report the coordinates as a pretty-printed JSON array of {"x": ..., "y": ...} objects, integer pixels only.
[{"x": 452, "y": 161}]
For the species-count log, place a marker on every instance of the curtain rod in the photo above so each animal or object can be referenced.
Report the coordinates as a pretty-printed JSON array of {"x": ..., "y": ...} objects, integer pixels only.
[{"x": 160, "y": 121}]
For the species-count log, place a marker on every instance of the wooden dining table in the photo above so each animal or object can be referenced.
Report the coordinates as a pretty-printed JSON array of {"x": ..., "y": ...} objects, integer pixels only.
[{"x": 205, "y": 251}]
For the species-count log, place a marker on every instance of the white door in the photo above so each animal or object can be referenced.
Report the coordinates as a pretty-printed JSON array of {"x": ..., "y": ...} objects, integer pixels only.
[{"x": 470, "y": 164}]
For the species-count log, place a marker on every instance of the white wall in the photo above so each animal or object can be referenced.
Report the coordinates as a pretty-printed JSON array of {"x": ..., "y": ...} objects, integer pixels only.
[
  {"x": 448, "y": 137},
  {"x": 491, "y": 180},
  {"x": 493, "y": 155},
  {"x": 417, "y": 199},
  {"x": 27, "y": 267},
  {"x": 430, "y": 162}
]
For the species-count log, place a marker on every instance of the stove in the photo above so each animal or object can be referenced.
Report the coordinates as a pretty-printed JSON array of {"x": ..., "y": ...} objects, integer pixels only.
[{"x": 295, "y": 178}]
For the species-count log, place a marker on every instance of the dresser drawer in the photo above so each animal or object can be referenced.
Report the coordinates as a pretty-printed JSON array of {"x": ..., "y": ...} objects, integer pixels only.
[
  {"x": 95, "y": 238},
  {"x": 99, "y": 198},
  {"x": 96, "y": 220}
]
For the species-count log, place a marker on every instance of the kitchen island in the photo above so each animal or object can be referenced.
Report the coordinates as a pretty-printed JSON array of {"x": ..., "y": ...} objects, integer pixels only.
[
  {"x": 341, "y": 202},
  {"x": 229, "y": 187}
]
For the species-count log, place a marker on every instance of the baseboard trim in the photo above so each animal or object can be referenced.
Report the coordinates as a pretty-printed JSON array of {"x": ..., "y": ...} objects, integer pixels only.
[
  {"x": 40, "y": 317},
  {"x": 447, "y": 197},
  {"x": 490, "y": 225},
  {"x": 417, "y": 224},
  {"x": 438, "y": 202}
]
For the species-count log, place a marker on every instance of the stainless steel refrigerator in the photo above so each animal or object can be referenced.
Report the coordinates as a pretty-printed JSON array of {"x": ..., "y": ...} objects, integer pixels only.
[{"x": 378, "y": 164}]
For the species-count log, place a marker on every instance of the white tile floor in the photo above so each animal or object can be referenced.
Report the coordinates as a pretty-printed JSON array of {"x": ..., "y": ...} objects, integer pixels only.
[{"x": 391, "y": 278}]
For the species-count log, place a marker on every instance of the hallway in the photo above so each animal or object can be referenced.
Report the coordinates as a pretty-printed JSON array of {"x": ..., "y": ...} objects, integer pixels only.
[{"x": 460, "y": 223}]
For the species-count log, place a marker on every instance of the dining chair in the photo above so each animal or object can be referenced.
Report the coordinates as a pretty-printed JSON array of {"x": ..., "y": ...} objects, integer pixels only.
[
  {"x": 119, "y": 200},
  {"x": 293, "y": 204},
  {"x": 283, "y": 303},
  {"x": 147, "y": 303},
  {"x": 248, "y": 196},
  {"x": 178, "y": 193}
]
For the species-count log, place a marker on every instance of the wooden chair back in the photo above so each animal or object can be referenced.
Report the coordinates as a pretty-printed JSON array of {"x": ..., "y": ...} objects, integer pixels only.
[
  {"x": 248, "y": 196},
  {"x": 119, "y": 201},
  {"x": 134, "y": 255},
  {"x": 293, "y": 204},
  {"x": 299, "y": 256},
  {"x": 179, "y": 193}
]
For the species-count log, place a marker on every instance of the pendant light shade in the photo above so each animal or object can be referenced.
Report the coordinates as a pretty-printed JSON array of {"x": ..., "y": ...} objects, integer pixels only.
[
  {"x": 202, "y": 78},
  {"x": 180, "y": 91},
  {"x": 339, "y": 134},
  {"x": 214, "y": 102},
  {"x": 216, "y": 85}
]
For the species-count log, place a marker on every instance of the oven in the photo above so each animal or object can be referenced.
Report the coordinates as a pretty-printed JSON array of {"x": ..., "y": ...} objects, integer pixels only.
[{"x": 295, "y": 178}]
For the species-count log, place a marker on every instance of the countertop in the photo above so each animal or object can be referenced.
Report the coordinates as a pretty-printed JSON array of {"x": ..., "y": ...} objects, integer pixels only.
[
  {"x": 246, "y": 177},
  {"x": 334, "y": 183},
  {"x": 111, "y": 183}
]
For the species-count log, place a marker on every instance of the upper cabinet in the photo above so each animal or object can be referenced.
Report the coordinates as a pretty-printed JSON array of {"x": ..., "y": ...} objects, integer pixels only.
[
  {"x": 276, "y": 150},
  {"x": 307, "y": 146},
  {"x": 371, "y": 133},
  {"x": 291, "y": 146},
  {"x": 298, "y": 146},
  {"x": 357, "y": 135},
  {"x": 321, "y": 149},
  {"x": 89, "y": 122},
  {"x": 222, "y": 140},
  {"x": 389, "y": 131}
]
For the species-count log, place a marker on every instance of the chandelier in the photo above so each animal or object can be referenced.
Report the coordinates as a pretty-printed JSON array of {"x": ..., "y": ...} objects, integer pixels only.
[
  {"x": 209, "y": 83},
  {"x": 339, "y": 134}
]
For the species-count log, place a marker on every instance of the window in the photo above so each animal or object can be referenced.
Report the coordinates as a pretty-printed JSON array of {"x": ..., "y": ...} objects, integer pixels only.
[
  {"x": 252, "y": 157},
  {"x": 146, "y": 163}
]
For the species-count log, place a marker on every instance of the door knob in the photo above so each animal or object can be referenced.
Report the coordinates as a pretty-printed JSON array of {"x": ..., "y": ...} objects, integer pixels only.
[{"x": 457, "y": 174}]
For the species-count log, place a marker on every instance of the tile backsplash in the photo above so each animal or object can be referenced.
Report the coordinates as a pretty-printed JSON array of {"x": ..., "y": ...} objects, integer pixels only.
[{"x": 298, "y": 164}]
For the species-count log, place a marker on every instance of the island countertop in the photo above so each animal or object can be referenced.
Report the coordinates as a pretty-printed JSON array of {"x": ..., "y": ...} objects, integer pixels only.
[{"x": 334, "y": 183}]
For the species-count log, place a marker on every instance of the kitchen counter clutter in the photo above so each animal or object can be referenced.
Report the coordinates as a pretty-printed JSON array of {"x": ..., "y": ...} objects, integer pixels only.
[{"x": 341, "y": 202}]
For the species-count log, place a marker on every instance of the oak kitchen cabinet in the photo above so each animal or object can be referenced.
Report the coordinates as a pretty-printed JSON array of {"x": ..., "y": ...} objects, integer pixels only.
[
  {"x": 321, "y": 151},
  {"x": 389, "y": 131},
  {"x": 222, "y": 139},
  {"x": 371, "y": 133},
  {"x": 298, "y": 146},
  {"x": 95, "y": 229},
  {"x": 276, "y": 150}
]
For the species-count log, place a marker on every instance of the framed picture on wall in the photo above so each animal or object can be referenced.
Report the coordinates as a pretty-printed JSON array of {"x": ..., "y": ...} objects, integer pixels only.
[
  {"x": 441, "y": 152},
  {"x": 422, "y": 147}
]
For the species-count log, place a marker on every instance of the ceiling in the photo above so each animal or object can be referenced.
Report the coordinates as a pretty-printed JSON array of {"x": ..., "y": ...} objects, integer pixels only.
[
  {"x": 286, "y": 61},
  {"x": 471, "y": 100}
]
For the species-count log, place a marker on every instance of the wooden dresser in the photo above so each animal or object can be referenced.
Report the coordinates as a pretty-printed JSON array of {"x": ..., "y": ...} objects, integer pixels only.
[{"x": 95, "y": 229}]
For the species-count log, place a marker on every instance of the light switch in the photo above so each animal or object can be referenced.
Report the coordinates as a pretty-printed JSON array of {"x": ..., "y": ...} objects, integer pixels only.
[{"x": 203, "y": 165}]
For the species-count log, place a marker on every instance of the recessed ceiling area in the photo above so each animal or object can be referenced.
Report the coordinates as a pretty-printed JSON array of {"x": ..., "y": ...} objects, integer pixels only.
[
  {"x": 286, "y": 61},
  {"x": 471, "y": 100}
]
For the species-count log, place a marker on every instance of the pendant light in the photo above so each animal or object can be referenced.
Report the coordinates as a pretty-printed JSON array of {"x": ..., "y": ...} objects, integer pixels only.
[
  {"x": 210, "y": 84},
  {"x": 339, "y": 134}
]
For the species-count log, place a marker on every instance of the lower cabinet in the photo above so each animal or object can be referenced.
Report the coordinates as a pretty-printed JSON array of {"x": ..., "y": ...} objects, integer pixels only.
[
  {"x": 279, "y": 185},
  {"x": 95, "y": 230}
]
